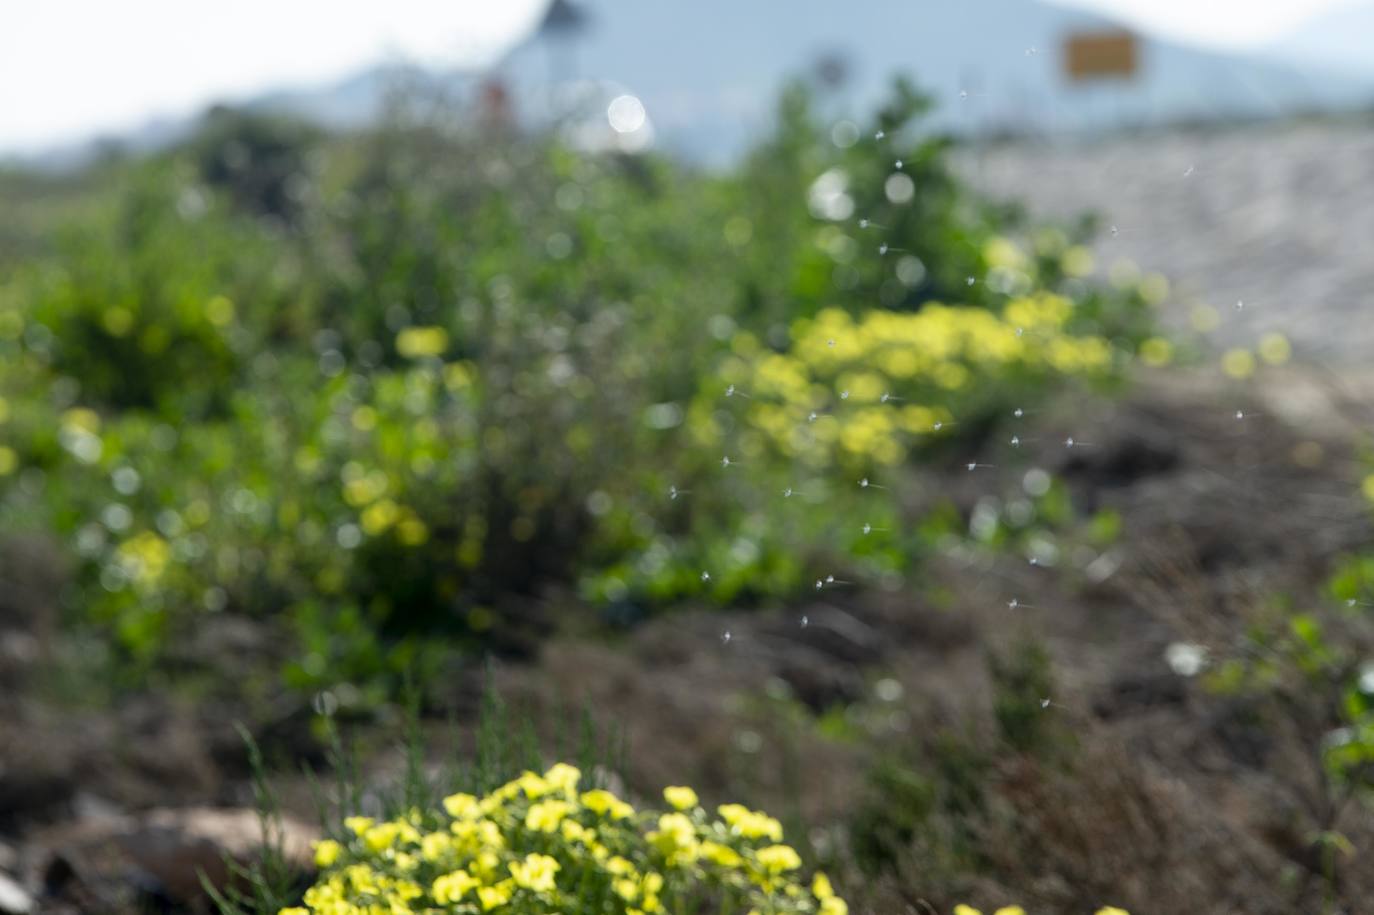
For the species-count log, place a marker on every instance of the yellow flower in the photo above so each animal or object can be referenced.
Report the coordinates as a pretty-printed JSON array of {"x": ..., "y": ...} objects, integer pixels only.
[
  {"x": 492, "y": 896},
  {"x": 359, "y": 825},
  {"x": 1111, "y": 910},
  {"x": 749, "y": 824},
  {"x": 779, "y": 858},
  {"x": 820, "y": 886},
  {"x": 676, "y": 827},
  {"x": 533, "y": 785},
  {"x": 486, "y": 865},
  {"x": 1238, "y": 363},
  {"x": 327, "y": 851},
  {"x": 546, "y": 815},
  {"x": 449, "y": 888},
  {"x": 834, "y": 905},
  {"x": 681, "y": 797},
  {"x": 675, "y": 838},
  {"x": 293, "y": 910},
  {"x": 962, "y": 909},
  {"x": 535, "y": 872},
  {"x": 417, "y": 342},
  {"x": 563, "y": 777},
  {"x": 722, "y": 855},
  {"x": 619, "y": 866},
  {"x": 1156, "y": 351},
  {"x": 380, "y": 837},
  {"x": 1010, "y": 910},
  {"x": 435, "y": 845},
  {"x": 1275, "y": 349},
  {"x": 731, "y": 813},
  {"x": 460, "y": 805},
  {"x": 603, "y": 802},
  {"x": 361, "y": 877}
]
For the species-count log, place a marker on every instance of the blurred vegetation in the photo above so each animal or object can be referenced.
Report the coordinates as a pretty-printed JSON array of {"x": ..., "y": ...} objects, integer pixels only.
[{"x": 380, "y": 386}]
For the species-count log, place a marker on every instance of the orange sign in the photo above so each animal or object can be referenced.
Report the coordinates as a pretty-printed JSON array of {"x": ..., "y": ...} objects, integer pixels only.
[{"x": 1100, "y": 55}]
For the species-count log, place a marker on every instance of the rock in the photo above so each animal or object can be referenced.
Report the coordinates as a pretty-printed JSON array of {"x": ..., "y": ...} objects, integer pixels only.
[
  {"x": 14, "y": 900},
  {"x": 37, "y": 777},
  {"x": 157, "y": 858}
]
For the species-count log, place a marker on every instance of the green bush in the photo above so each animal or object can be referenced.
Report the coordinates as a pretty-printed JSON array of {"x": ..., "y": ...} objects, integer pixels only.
[{"x": 383, "y": 383}]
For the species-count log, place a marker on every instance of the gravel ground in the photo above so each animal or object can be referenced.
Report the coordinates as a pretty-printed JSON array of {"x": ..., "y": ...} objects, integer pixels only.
[{"x": 1279, "y": 217}]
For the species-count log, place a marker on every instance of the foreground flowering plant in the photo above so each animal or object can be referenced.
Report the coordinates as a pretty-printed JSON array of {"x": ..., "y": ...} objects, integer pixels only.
[{"x": 538, "y": 844}]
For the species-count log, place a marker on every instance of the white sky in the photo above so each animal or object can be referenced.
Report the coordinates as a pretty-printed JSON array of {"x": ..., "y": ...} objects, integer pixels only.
[{"x": 73, "y": 68}]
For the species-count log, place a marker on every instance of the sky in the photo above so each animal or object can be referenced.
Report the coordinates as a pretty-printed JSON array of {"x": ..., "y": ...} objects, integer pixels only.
[{"x": 70, "y": 69}]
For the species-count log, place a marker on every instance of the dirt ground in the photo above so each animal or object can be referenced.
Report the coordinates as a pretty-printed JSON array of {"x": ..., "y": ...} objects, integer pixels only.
[{"x": 1156, "y": 793}]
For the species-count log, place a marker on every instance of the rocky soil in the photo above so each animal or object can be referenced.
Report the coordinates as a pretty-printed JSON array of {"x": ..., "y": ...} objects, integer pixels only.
[
  {"x": 1277, "y": 216},
  {"x": 108, "y": 810}
]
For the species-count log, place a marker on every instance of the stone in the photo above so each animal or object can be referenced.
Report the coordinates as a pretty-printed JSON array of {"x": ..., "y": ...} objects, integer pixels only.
[{"x": 14, "y": 899}]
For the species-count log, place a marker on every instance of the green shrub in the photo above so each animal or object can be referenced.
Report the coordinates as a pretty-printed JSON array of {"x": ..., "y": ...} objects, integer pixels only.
[{"x": 381, "y": 384}]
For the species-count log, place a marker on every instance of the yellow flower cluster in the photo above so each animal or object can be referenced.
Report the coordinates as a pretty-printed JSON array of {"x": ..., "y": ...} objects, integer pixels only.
[
  {"x": 539, "y": 844},
  {"x": 898, "y": 372}
]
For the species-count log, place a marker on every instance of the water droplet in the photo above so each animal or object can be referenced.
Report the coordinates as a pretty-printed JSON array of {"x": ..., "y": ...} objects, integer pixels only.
[
  {"x": 1239, "y": 304},
  {"x": 963, "y": 94},
  {"x": 1018, "y": 413},
  {"x": 811, "y": 418},
  {"x": 879, "y": 135},
  {"x": 1114, "y": 231},
  {"x": 819, "y": 584},
  {"x": 898, "y": 164},
  {"x": 725, "y": 461},
  {"x": 1068, "y": 442},
  {"x": 1240, "y": 414},
  {"x": 970, "y": 281},
  {"x": 868, "y": 528},
  {"x": 1013, "y": 604},
  {"x": 844, "y": 395},
  {"x": 725, "y": 637},
  {"x": 1016, "y": 441},
  {"x": 938, "y": 426},
  {"x": 863, "y": 223},
  {"x": 805, "y": 621},
  {"x": 972, "y": 466},
  {"x": 730, "y": 391},
  {"x": 882, "y": 249},
  {"x": 1189, "y": 172},
  {"x": 863, "y": 484},
  {"x": 1044, "y": 703},
  {"x": 830, "y": 343},
  {"x": 787, "y": 493},
  {"x": 705, "y": 576},
  {"x": 830, "y": 579}
]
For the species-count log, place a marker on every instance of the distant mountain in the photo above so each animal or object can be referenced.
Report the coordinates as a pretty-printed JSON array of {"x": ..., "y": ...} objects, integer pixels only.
[
  {"x": 1340, "y": 39},
  {"x": 349, "y": 103},
  {"x": 708, "y": 71}
]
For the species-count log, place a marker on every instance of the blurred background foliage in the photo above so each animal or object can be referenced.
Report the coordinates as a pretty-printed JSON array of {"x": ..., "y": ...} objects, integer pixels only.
[{"x": 390, "y": 387}]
